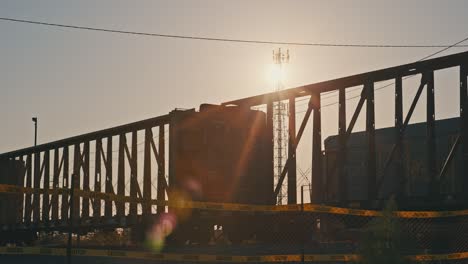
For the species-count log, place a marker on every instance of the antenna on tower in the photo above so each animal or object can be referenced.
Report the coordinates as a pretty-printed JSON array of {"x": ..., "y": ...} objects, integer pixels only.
[{"x": 280, "y": 131}]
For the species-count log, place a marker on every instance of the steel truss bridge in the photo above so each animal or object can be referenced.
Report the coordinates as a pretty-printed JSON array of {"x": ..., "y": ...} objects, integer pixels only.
[{"x": 108, "y": 160}]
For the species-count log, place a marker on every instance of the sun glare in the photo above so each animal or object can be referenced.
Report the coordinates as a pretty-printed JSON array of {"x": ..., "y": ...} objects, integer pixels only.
[{"x": 276, "y": 74}]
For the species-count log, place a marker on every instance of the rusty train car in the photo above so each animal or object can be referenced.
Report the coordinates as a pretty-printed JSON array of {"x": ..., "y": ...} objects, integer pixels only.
[
  {"x": 407, "y": 180},
  {"x": 219, "y": 154}
]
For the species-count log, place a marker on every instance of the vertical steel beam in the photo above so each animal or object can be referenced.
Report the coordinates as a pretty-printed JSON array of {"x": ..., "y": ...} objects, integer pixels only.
[
  {"x": 85, "y": 167},
  {"x": 370, "y": 132},
  {"x": 121, "y": 175},
  {"x": 37, "y": 182},
  {"x": 65, "y": 185},
  {"x": 403, "y": 128},
  {"x": 464, "y": 125},
  {"x": 20, "y": 200},
  {"x": 77, "y": 163},
  {"x": 161, "y": 196},
  {"x": 97, "y": 180},
  {"x": 72, "y": 217},
  {"x": 342, "y": 181},
  {"x": 292, "y": 177},
  {"x": 431, "y": 136},
  {"x": 108, "y": 188},
  {"x": 147, "y": 172},
  {"x": 399, "y": 169},
  {"x": 317, "y": 175},
  {"x": 270, "y": 149},
  {"x": 55, "y": 186},
  {"x": 28, "y": 196},
  {"x": 46, "y": 183},
  {"x": 133, "y": 175}
]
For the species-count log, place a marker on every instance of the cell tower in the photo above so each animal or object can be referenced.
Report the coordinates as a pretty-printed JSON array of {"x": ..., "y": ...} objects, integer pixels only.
[{"x": 280, "y": 115}]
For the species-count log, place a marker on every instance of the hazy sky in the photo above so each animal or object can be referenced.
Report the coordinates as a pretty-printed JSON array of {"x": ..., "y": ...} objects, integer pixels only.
[{"x": 81, "y": 81}]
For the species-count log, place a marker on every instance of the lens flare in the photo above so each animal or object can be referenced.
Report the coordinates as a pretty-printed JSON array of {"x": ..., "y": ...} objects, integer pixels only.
[
  {"x": 157, "y": 234},
  {"x": 194, "y": 188},
  {"x": 179, "y": 211},
  {"x": 179, "y": 204}
]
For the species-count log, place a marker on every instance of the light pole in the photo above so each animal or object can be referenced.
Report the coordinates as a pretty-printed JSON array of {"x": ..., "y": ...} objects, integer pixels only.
[{"x": 34, "y": 119}]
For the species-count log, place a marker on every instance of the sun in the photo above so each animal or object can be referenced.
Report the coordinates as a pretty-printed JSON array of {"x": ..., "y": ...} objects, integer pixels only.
[{"x": 276, "y": 74}]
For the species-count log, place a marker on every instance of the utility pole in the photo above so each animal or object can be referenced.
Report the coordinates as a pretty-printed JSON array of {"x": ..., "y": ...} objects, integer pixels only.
[
  {"x": 34, "y": 119},
  {"x": 280, "y": 112}
]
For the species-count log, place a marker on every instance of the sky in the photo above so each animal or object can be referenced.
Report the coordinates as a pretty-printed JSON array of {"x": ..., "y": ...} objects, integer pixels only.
[{"x": 81, "y": 81}]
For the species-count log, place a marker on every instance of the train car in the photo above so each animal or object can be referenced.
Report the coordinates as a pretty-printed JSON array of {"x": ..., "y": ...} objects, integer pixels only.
[
  {"x": 11, "y": 204},
  {"x": 219, "y": 154},
  {"x": 417, "y": 182},
  {"x": 11, "y": 173}
]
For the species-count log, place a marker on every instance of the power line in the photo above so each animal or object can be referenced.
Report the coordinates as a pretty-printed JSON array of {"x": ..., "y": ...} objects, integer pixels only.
[
  {"x": 245, "y": 41},
  {"x": 444, "y": 49},
  {"x": 405, "y": 78},
  {"x": 390, "y": 84}
]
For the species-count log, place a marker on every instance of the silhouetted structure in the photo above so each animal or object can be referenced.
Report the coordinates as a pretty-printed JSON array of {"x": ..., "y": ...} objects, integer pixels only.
[{"x": 109, "y": 160}]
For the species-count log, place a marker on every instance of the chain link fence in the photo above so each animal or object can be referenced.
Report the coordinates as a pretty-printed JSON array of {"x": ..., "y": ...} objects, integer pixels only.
[
  {"x": 189, "y": 231},
  {"x": 282, "y": 234}
]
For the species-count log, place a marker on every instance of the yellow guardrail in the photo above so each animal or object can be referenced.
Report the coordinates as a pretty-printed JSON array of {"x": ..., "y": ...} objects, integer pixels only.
[
  {"x": 4, "y": 188},
  {"x": 147, "y": 255},
  {"x": 210, "y": 258}
]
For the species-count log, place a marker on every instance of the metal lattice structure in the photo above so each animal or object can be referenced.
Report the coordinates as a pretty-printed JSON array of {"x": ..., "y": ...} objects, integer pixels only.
[
  {"x": 49, "y": 164},
  {"x": 367, "y": 80},
  {"x": 281, "y": 130}
]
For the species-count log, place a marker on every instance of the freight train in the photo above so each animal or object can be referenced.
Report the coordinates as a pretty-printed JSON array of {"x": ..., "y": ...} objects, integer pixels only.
[{"x": 221, "y": 154}]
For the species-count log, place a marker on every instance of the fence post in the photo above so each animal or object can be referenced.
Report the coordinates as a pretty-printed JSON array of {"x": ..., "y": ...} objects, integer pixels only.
[{"x": 303, "y": 223}]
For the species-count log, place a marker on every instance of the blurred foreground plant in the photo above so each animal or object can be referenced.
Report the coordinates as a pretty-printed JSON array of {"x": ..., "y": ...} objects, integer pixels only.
[{"x": 384, "y": 241}]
